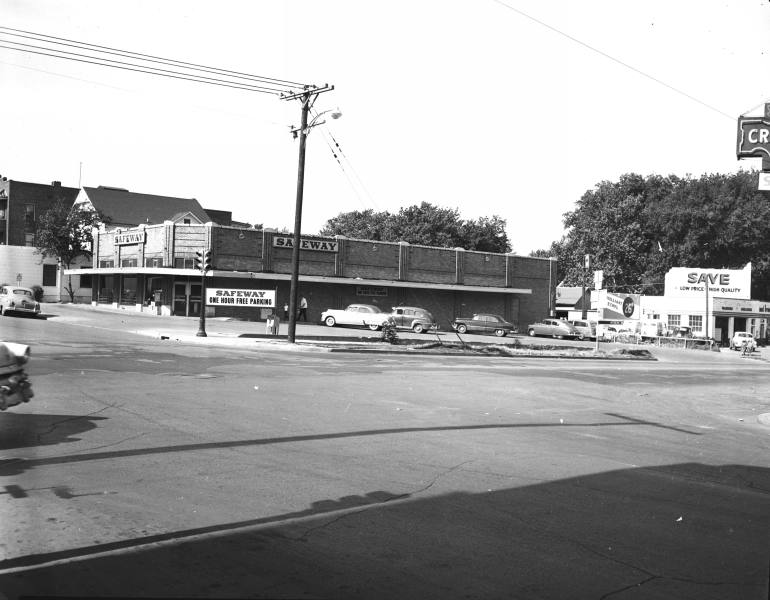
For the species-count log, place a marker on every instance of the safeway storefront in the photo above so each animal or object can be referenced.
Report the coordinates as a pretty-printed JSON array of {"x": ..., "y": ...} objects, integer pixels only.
[{"x": 152, "y": 268}]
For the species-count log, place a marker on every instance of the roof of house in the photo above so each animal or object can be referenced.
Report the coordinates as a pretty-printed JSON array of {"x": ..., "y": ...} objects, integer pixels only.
[
  {"x": 132, "y": 208},
  {"x": 568, "y": 296}
]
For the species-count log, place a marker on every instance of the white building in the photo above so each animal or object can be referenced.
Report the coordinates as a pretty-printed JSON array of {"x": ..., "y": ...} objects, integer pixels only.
[{"x": 713, "y": 302}]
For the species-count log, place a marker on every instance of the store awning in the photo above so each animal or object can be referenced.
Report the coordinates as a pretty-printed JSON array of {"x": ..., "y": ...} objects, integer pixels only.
[{"x": 154, "y": 271}]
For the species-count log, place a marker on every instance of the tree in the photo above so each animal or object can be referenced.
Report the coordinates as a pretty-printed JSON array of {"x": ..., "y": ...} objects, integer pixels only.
[
  {"x": 65, "y": 233},
  {"x": 423, "y": 224},
  {"x": 637, "y": 228}
]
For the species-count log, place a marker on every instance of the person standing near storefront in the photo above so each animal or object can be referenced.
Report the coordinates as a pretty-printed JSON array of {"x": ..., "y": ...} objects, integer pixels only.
[
  {"x": 286, "y": 311},
  {"x": 302, "y": 309}
]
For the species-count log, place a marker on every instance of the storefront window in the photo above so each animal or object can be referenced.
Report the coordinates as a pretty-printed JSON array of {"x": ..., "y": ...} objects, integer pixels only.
[
  {"x": 696, "y": 322},
  {"x": 106, "y": 288},
  {"x": 128, "y": 293},
  {"x": 674, "y": 321}
]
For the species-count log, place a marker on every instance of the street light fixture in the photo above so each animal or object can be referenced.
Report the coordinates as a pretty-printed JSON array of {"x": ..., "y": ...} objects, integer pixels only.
[{"x": 308, "y": 97}]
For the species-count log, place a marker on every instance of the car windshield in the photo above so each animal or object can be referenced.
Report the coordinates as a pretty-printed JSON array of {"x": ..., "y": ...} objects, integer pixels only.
[{"x": 22, "y": 292}]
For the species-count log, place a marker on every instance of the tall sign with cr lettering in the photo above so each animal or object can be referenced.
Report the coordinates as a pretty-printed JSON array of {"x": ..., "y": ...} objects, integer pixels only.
[{"x": 754, "y": 138}]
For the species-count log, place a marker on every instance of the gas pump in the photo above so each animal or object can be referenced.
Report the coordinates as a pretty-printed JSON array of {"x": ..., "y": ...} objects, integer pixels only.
[{"x": 15, "y": 387}]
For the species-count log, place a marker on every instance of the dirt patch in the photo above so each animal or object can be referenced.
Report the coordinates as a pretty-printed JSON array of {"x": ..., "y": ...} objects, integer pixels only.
[{"x": 516, "y": 350}]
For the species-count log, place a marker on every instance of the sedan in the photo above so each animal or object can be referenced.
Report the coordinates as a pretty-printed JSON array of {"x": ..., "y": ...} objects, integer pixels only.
[
  {"x": 557, "y": 328},
  {"x": 417, "y": 319},
  {"x": 484, "y": 323},
  {"x": 361, "y": 315},
  {"x": 18, "y": 299}
]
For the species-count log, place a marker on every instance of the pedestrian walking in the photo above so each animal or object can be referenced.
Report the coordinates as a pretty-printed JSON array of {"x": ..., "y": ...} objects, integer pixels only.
[{"x": 302, "y": 309}]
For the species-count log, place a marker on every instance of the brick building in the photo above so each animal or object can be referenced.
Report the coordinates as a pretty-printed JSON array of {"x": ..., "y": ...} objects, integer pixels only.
[
  {"x": 156, "y": 263},
  {"x": 21, "y": 206}
]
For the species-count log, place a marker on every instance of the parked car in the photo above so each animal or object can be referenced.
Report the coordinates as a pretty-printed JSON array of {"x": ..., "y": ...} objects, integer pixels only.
[
  {"x": 743, "y": 337},
  {"x": 361, "y": 315},
  {"x": 558, "y": 328},
  {"x": 484, "y": 323},
  {"x": 14, "y": 298},
  {"x": 417, "y": 319},
  {"x": 585, "y": 329},
  {"x": 682, "y": 331}
]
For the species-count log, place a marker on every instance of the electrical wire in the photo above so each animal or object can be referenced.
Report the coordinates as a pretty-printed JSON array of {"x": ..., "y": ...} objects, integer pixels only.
[
  {"x": 145, "y": 57},
  {"x": 352, "y": 168},
  {"x": 144, "y": 69},
  {"x": 612, "y": 58},
  {"x": 192, "y": 72}
]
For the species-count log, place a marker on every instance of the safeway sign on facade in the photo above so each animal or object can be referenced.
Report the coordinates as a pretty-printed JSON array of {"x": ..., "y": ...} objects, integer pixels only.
[{"x": 240, "y": 298}]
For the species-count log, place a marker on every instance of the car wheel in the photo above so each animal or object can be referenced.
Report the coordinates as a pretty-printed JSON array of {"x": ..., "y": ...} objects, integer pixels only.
[
  {"x": 330, "y": 322},
  {"x": 581, "y": 337},
  {"x": 461, "y": 328},
  {"x": 417, "y": 328},
  {"x": 531, "y": 333},
  {"x": 373, "y": 327},
  {"x": 559, "y": 337},
  {"x": 500, "y": 332}
]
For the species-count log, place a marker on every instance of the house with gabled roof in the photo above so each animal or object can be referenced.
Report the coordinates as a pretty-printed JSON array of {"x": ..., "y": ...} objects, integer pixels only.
[{"x": 129, "y": 209}]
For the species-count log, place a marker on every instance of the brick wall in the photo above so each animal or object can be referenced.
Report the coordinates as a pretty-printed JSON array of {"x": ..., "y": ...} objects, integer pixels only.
[{"x": 41, "y": 196}]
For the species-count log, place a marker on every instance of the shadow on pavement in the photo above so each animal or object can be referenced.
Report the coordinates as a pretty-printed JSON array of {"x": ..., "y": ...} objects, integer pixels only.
[
  {"x": 683, "y": 531},
  {"x": 17, "y": 466},
  {"x": 24, "y": 430}
]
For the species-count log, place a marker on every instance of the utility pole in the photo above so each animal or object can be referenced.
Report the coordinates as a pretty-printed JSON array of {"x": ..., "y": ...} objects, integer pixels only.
[
  {"x": 586, "y": 266},
  {"x": 308, "y": 98}
]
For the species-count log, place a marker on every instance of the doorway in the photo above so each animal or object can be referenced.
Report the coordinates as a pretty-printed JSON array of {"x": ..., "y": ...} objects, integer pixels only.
[{"x": 187, "y": 299}]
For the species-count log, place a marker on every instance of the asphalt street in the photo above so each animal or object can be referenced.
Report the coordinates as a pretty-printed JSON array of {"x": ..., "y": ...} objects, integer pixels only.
[{"x": 152, "y": 463}]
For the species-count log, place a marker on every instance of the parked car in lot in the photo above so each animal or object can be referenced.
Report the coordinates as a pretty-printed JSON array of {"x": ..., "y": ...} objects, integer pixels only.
[
  {"x": 682, "y": 331},
  {"x": 743, "y": 337},
  {"x": 585, "y": 329},
  {"x": 484, "y": 323},
  {"x": 558, "y": 328},
  {"x": 14, "y": 298},
  {"x": 415, "y": 318},
  {"x": 361, "y": 315}
]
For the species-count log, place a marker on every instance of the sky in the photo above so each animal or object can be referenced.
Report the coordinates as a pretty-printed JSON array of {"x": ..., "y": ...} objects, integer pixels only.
[{"x": 514, "y": 108}]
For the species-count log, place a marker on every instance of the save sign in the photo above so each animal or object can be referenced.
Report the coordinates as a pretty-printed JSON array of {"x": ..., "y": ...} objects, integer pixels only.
[{"x": 240, "y": 298}]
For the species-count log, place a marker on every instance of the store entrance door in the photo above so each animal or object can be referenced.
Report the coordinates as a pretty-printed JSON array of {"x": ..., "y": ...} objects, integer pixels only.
[{"x": 187, "y": 299}]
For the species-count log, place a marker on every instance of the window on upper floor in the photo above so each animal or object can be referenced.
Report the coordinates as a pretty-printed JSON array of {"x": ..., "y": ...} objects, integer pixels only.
[{"x": 29, "y": 217}]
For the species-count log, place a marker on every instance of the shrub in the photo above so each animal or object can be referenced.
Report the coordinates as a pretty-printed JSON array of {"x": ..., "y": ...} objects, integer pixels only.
[
  {"x": 37, "y": 292},
  {"x": 389, "y": 333}
]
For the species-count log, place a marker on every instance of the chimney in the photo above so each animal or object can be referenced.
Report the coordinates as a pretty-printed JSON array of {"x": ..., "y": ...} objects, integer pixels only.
[{"x": 56, "y": 183}]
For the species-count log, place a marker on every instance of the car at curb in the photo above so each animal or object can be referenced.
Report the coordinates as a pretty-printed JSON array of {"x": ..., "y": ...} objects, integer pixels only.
[
  {"x": 358, "y": 315},
  {"x": 585, "y": 329},
  {"x": 484, "y": 323},
  {"x": 743, "y": 337},
  {"x": 17, "y": 299},
  {"x": 558, "y": 328},
  {"x": 414, "y": 318}
]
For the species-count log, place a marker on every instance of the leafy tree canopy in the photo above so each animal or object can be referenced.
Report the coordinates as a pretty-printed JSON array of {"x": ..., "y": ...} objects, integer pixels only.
[
  {"x": 425, "y": 224},
  {"x": 65, "y": 232},
  {"x": 637, "y": 228}
]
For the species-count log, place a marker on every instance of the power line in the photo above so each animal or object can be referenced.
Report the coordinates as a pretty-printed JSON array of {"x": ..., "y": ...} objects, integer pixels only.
[
  {"x": 143, "y": 69},
  {"x": 145, "y": 57},
  {"x": 191, "y": 72},
  {"x": 612, "y": 58}
]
